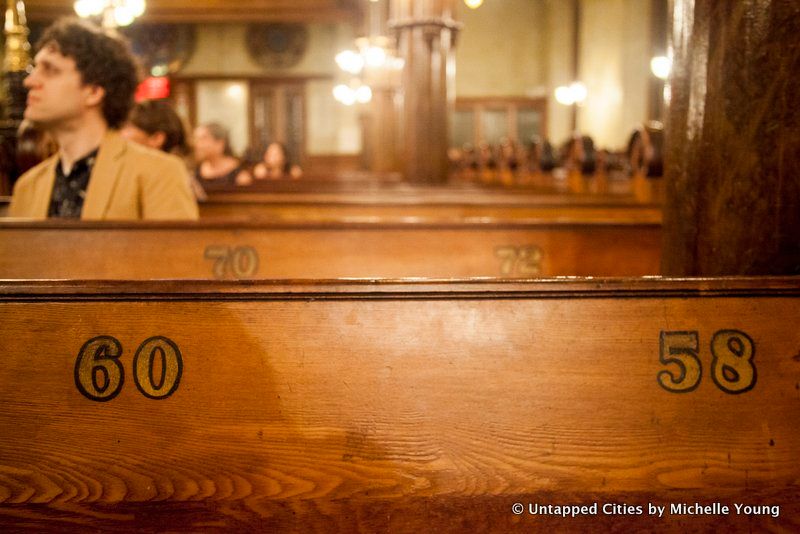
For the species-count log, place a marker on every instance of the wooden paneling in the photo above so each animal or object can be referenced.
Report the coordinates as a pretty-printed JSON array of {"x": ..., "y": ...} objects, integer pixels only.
[
  {"x": 357, "y": 407},
  {"x": 256, "y": 250},
  {"x": 332, "y": 164}
]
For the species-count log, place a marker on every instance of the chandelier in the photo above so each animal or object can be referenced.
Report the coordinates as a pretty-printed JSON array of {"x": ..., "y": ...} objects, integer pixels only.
[
  {"x": 114, "y": 13},
  {"x": 373, "y": 63}
]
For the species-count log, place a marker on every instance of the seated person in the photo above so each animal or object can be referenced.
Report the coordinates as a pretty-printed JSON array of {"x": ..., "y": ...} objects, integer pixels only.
[
  {"x": 276, "y": 165},
  {"x": 216, "y": 162},
  {"x": 80, "y": 92},
  {"x": 645, "y": 149},
  {"x": 155, "y": 124}
]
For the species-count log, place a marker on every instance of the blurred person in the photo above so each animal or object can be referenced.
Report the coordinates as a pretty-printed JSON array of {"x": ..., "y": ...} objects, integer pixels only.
[
  {"x": 276, "y": 165},
  {"x": 155, "y": 123},
  {"x": 80, "y": 92},
  {"x": 215, "y": 160}
]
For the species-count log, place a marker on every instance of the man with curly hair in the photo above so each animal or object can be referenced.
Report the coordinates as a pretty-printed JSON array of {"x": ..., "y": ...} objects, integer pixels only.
[{"x": 81, "y": 91}]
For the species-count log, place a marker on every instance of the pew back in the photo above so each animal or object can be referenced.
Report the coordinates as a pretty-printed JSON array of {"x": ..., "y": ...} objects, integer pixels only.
[
  {"x": 399, "y": 407},
  {"x": 251, "y": 250},
  {"x": 435, "y": 205}
]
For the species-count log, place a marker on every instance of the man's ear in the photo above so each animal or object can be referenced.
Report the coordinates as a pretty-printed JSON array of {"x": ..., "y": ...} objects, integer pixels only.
[{"x": 94, "y": 95}]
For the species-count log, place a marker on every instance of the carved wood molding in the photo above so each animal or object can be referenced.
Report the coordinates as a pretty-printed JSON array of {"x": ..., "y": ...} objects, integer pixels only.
[{"x": 580, "y": 288}]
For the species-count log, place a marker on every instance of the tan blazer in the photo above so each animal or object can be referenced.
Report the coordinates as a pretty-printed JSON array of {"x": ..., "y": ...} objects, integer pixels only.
[{"x": 128, "y": 181}]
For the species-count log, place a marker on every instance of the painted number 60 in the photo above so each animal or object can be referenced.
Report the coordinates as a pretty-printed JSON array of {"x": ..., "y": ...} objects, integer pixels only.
[{"x": 99, "y": 375}]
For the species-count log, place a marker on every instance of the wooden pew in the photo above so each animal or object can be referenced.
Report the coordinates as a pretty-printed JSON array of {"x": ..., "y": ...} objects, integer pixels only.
[
  {"x": 434, "y": 205},
  {"x": 253, "y": 250},
  {"x": 400, "y": 407}
]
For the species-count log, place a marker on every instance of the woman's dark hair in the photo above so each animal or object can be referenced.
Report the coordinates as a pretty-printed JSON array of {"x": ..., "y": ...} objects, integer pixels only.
[
  {"x": 287, "y": 164},
  {"x": 220, "y": 133},
  {"x": 102, "y": 59},
  {"x": 153, "y": 116}
]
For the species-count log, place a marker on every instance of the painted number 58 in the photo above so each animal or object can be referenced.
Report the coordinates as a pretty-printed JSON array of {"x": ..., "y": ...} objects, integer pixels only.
[{"x": 732, "y": 366}]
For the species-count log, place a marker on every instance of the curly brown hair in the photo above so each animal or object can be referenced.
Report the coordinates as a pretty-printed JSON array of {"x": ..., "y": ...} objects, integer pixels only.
[{"x": 103, "y": 59}]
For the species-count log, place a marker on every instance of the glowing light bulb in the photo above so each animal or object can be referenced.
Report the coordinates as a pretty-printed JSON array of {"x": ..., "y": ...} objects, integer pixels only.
[
  {"x": 661, "y": 66},
  {"x": 364, "y": 94},
  {"x": 578, "y": 91},
  {"x": 123, "y": 15},
  {"x": 564, "y": 95},
  {"x": 88, "y": 8},
  {"x": 137, "y": 7},
  {"x": 473, "y": 4},
  {"x": 350, "y": 61},
  {"x": 375, "y": 56},
  {"x": 344, "y": 94}
]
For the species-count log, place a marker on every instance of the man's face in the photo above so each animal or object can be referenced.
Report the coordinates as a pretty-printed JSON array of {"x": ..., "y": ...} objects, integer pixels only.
[{"x": 57, "y": 95}]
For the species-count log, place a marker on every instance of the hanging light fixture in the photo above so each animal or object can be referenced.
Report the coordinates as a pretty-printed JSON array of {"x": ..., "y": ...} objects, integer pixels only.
[
  {"x": 473, "y": 4},
  {"x": 113, "y": 13},
  {"x": 661, "y": 66},
  {"x": 373, "y": 62},
  {"x": 574, "y": 93}
]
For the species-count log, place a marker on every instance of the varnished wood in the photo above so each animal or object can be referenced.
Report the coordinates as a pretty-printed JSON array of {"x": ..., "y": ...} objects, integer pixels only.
[
  {"x": 433, "y": 206},
  {"x": 396, "y": 407},
  {"x": 252, "y": 250},
  {"x": 732, "y": 144}
]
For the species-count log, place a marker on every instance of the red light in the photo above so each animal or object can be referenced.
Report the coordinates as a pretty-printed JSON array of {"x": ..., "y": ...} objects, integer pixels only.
[{"x": 152, "y": 88}]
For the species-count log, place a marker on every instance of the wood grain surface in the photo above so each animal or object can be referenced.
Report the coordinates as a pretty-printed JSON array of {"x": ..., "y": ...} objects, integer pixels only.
[
  {"x": 401, "y": 407},
  {"x": 312, "y": 208},
  {"x": 258, "y": 250}
]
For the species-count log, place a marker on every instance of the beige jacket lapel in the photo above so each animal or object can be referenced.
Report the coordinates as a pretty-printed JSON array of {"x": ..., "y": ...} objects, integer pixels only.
[
  {"x": 40, "y": 199},
  {"x": 105, "y": 174}
]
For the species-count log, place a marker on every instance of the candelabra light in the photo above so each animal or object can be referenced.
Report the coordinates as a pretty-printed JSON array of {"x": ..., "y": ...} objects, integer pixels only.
[
  {"x": 113, "y": 13},
  {"x": 373, "y": 63}
]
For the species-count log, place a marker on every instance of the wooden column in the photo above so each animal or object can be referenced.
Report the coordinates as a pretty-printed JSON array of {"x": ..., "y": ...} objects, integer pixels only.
[
  {"x": 426, "y": 35},
  {"x": 379, "y": 120},
  {"x": 733, "y": 139},
  {"x": 379, "y": 127}
]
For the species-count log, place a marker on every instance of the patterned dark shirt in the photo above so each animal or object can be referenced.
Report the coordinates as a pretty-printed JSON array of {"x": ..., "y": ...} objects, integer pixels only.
[{"x": 70, "y": 190}]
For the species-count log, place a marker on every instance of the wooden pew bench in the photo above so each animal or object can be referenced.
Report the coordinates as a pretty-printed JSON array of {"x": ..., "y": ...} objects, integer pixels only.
[
  {"x": 436, "y": 205},
  {"x": 401, "y": 407},
  {"x": 251, "y": 250}
]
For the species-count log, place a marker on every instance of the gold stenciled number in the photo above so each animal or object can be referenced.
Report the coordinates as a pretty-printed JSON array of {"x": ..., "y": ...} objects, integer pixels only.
[
  {"x": 157, "y": 368},
  {"x": 525, "y": 260},
  {"x": 170, "y": 367},
  {"x": 732, "y": 366},
  {"x": 681, "y": 349},
  {"x": 98, "y": 373},
  {"x": 242, "y": 261}
]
